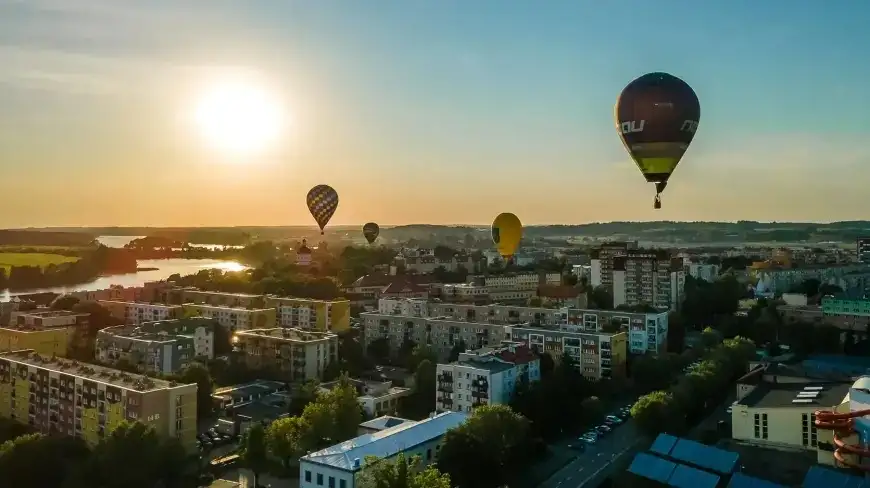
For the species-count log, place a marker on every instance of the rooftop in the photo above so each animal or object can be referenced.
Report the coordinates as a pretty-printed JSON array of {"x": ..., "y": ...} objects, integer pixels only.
[
  {"x": 269, "y": 407},
  {"x": 159, "y": 331},
  {"x": 219, "y": 293},
  {"x": 384, "y": 422},
  {"x": 206, "y": 306},
  {"x": 288, "y": 334},
  {"x": 491, "y": 366},
  {"x": 139, "y": 304},
  {"x": 49, "y": 313},
  {"x": 306, "y": 300},
  {"x": 350, "y": 455},
  {"x": 255, "y": 388},
  {"x": 801, "y": 395},
  {"x": 100, "y": 374}
]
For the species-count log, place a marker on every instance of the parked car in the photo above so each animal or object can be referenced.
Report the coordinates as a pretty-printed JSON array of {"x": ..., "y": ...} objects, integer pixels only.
[
  {"x": 614, "y": 418},
  {"x": 577, "y": 447},
  {"x": 588, "y": 439},
  {"x": 603, "y": 429}
]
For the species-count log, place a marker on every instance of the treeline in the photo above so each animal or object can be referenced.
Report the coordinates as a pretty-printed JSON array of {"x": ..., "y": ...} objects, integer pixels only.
[
  {"x": 38, "y": 238},
  {"x": 102, "y": 260},
  {"x": 157, "y": 247},
  {"x": 262, "y": 281}
]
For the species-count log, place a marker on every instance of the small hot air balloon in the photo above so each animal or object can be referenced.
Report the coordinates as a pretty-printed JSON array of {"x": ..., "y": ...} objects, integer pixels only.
[
  {"x": 656, "y": 117},
  {"x": 322, "y": 201},
  {"x": 507, "y": 231},
  {"x": 371, "y": 231}
]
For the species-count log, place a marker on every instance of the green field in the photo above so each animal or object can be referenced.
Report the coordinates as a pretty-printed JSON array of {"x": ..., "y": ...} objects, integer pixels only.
[{"x": 9, "y": 259}]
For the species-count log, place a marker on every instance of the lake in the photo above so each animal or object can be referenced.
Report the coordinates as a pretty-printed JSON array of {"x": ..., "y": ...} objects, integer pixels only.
[{"x": 165, "y": 268}]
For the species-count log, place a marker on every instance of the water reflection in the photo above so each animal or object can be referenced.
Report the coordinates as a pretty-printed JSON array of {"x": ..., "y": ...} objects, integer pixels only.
[{"x": 164, "y": 269}]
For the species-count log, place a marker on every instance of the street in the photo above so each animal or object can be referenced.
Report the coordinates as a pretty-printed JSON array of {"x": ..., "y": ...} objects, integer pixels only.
[{"x": 595, "y": 460}]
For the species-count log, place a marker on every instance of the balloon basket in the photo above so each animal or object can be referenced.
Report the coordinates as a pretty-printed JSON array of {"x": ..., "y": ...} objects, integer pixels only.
[{"x": 657, "y": 203}]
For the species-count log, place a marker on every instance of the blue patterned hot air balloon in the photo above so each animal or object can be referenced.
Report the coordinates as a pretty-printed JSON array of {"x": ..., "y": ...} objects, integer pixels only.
[{"x": 322, "y": 202}]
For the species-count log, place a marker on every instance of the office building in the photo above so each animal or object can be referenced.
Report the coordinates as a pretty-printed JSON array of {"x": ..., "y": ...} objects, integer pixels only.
[
  {"x": 598, "y": 354},
  {"x": 234, "y": 319},
  {"x": 601, "y": 262},
  {"x": 439, "y": 333},
  {"x": 299, "y": 354},
  {"x": 339, "y": 466},
  {"x": 642, "y": 277},
  {"x": 307, "y": 313},
  {"x": 163, "y": 347},
  {"x": 135, "y": 313},
  {"x": 60, "y": 396},
  {"x": 486, "y": 376}
]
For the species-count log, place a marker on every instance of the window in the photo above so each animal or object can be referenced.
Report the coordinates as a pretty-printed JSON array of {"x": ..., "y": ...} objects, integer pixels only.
[
  {"x": 342, "y": 484},
  {"x": 319, "y": 479},
  {"x": 332, "y": 482},
  {"x": 308, "y": 476},
  {"x": 428, "y": 454}
]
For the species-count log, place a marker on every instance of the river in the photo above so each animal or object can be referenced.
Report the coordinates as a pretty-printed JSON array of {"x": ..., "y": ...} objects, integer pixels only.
[{"x": 164, "y": 269}]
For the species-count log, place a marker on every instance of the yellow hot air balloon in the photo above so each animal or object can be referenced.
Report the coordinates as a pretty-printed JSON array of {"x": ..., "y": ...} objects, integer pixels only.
[{"x": 507, "y": 231}]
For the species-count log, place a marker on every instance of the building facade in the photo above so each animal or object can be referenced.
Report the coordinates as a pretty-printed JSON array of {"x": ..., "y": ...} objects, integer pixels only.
[
  {"x": 484, "y": 377},
  {"x": 702, "y": 271},
  {"x": 643, "y": 277},
  {"x": 135, "y": 313},
  {"x": 163, "y": 347},
  {"x": 440, "y": 334},
  {"x": 647, "y": 333},
  {"x": 58, "y": 396},
  {"x": 339, "y": 466},
  {"x": 601, "y": 262},
  {"x": 179, "y": 296},
  {"x": 234, "y": 319},
  {"x": 301, "y": 355},
  {"x": 599, "y": 355},
  {"x": 306, "y": 313},
  {"x": 48, "y": 332}
]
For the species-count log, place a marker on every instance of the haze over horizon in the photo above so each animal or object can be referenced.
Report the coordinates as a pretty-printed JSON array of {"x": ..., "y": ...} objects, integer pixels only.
[{"x": 444, "y": 112}]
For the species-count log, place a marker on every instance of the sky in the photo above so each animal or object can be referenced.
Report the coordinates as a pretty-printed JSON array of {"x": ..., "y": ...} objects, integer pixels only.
[{"x": 436, "y": 111}]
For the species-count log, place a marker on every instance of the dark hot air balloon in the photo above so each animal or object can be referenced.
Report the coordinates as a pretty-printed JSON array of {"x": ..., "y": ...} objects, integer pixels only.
[
  {"x": 371, "y": 231},
  {"x": 656, "y": 117},
  {"x": 322, "y": 201}
]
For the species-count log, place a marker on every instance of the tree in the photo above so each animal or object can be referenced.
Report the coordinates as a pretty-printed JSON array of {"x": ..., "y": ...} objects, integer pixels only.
[
  {"x": 421, "y": 353},
  {"x": 657, "y": 412},
  {"x": 304, "y": 395},
  {"x": 253, "y": 452},
  {"x": 456, "y": 350},
  {"x": 492, "y": 437},
  {"x": 222, "y": 340},
  {"x": 64, "y": 302},
  {"x": 346, "y": 410},
  {"x": 110, "y": 465},
  {"x": 38, "y": 461},
  {"x": 547, "y": 364},
  {"x": 600, "y": 298},
  {"x": 196, "y": 372},
  {"x": 287, "y": 438},
  {"x": 400, "y": 473}
]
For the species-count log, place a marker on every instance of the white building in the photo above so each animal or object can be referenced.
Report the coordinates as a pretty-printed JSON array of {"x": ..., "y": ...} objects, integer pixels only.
[
  {"x": 338, "y": 466},
  {"x": 521, "y": 281},
  {"x": 701, "y": 271},
  {"x": 411, "y": 307},
  {"x": 235, "y": 318},
  {"x": 135, "y": 313},
  {"x": 648, "y": 277},
  {"x": 376, "y": 397},
  {"x": 484, "y": 377}
]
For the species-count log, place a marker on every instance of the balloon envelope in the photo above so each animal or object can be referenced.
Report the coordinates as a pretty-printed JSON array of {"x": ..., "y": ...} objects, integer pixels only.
[
  {"x": 322, "y": 201},
  {"x": 507, "y": 231},
  {"x": 371, "y": 231},
  {"x": 656, "y": 118}
]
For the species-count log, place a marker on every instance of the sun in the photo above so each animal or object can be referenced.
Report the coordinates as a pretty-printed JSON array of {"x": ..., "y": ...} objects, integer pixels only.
[{"x": 239, "y": 117}]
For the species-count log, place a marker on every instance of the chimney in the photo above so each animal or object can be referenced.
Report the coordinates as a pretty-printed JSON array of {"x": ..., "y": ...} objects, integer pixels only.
[{"x": 355, "y": 463}]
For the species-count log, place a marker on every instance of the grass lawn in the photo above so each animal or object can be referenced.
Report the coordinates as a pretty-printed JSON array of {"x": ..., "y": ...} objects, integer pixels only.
[{"x": 9, "y": 259}]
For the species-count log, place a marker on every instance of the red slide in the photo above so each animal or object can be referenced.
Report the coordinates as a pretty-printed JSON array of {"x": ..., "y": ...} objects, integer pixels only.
[{"x": 843, "y": 424}]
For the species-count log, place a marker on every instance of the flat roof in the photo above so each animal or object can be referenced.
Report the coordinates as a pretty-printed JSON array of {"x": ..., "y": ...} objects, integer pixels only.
[
  {"x": 93, "y": 372},
  {"x": 140, "y": 304},
  {"x": 393, "y": 390},
  {"x": 311, "y": 300},
  {"x": 225, "y": 307},
  {"x": 386, "y": 443},
  {"x": 491, "y": 366},
  {"x": 801, "y": 395},
  {"x": 221, "y": 293},
  {"x": 384, "y": 422},
  {"x": 247, "y": 389},
  {"x": 48, "y": 313},
  {"x": 288, "y": 334}
]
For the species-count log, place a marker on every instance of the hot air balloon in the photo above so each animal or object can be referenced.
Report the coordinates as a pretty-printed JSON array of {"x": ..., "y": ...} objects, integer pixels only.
[
  {"x": 656, "y": 117},
  {"x": 322, "y": 202},
  {"x": 506, "y": 234},
  {"x": 371, "y": 231}
]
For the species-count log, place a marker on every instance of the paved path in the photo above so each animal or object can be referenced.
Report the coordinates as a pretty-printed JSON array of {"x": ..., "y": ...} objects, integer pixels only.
[{"x": 596, "y": 460}]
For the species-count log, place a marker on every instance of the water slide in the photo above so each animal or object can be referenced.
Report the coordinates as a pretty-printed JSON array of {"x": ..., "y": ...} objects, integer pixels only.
[{"x": 843, "y": 424}]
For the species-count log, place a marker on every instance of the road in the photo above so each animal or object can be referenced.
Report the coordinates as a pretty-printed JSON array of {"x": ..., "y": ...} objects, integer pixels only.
[{"x": 595, "y": 460}]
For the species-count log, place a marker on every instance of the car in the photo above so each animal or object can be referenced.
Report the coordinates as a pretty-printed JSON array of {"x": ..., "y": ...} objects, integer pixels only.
[
  {"x": 207, "y": 445},
  {"x": 614, "y": 418},
  {"x": 603, "y": 429},
  {"x": 592, "y": 433},
  {"x": 577, "y": 447},
  {"x": 227, "y": 438},
  {"x": 588, "y": 440}
]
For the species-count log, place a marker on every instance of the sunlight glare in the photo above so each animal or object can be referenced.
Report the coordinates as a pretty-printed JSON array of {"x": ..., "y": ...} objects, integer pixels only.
[{"x": 239, "y": 117}]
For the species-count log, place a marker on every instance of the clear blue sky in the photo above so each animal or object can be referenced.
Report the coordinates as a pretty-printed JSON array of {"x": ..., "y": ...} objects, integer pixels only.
[{"x": 441, "y": 111}]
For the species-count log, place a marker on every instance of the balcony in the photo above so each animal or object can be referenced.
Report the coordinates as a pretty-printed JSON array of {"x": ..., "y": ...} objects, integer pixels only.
[{"x": 445, "y": 387}]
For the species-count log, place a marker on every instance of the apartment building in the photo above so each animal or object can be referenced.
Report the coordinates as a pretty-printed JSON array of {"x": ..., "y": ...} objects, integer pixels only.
[
  {"x": 234, "y": 319},
  {"x": 368, "y": 288},
  {"x": 519, "y": 281},
  {"x": 648, "y": 277},
  {"x": 48, "y": 332},
  {"x": 598, "y": 354},
  {"x": 179, "y": 296},
  {"x": 59, "y": 396},
  {"x": 46, "y": 318},
  {"x": 375, "y": 397},
  {"x": 308, "y": 313},
  {"x": 490, "y": 314},
  {"x": 439, "y": 333},
  {"x": 404, "y": 288},
  {"x": 300, "y": 354},
  {"x": 411, "y": 307},
  {"x": 647, "y": 332},
  {"x": 135, "y": 313},
  {"x": 601, "y": 262},
  {"x": 163, "y": 347},
  {"x": 702, "y": 271},
  {"x": 149, "y": 292},
  {"x": 773, "y": 280},
  {"x": 486, "y": 376},
  {"x": 423, "y": 261},
  {"x": 339, "y": 466}
]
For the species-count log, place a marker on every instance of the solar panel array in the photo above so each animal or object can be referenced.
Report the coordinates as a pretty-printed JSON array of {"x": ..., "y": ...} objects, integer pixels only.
[
  {"x": 819, "y": 477},
  {"x": 740, "y": 480},
  {"x": 704, "y": 456},
  {"x": 673, "y": 474}
]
